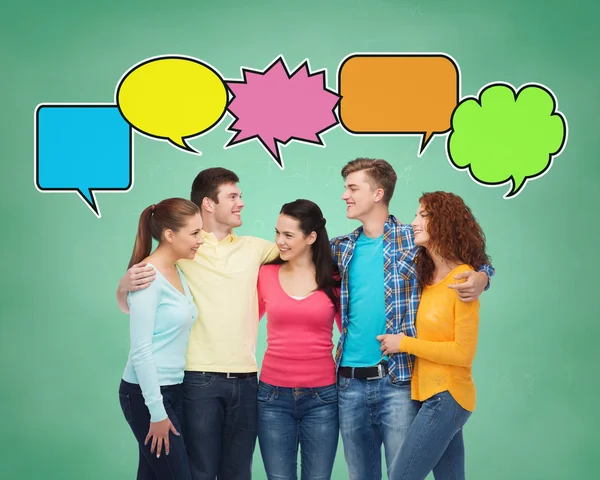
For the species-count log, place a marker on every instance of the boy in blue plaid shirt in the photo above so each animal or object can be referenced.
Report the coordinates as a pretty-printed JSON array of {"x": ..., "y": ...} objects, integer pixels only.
[{"x": 379, "y": 296}]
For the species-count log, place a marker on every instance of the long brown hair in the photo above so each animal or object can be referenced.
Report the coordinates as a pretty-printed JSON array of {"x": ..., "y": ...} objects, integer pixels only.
[
  {"x": 310, "y": 219},
  {"x": 172, "y": 214},
  {"x": 454, "y": 234}
]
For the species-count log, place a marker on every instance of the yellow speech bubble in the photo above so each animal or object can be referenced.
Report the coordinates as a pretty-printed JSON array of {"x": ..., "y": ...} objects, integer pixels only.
[{"x": 172, "y": 98}]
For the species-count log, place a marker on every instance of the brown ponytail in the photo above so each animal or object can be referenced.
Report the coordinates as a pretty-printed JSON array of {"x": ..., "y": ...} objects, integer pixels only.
[{"x": 172, "y": 214}]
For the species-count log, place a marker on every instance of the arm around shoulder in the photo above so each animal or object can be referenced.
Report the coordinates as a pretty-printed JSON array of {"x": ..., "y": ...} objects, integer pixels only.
[
  {"x": 490, "y": 272},
  {"x": 268, "y": 250},
  {"x": 138, "y": 277},
  {"x": 122, "y": 299}
]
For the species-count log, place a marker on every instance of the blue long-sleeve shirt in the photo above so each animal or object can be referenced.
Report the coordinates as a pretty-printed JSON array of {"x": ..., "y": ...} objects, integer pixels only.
[{"x": 161, "y": 318}]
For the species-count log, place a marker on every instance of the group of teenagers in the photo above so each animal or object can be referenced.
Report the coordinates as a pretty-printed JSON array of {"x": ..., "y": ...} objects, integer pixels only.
[{"x": 404, "y": 298}]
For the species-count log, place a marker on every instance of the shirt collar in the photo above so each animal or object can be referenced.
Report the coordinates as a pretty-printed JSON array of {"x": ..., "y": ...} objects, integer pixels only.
[
  {"x": 211, "y": 239},
  {"x": 391, "y": 221}
]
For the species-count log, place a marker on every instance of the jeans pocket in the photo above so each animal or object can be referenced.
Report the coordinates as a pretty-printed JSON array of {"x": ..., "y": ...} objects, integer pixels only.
[
  {"x": 343, "y": 383},
  {"x": 327, "y": 395},
  {"x": 266, "y": 393},
  {"x": 196, "y": 379},
  {"x": 434, "y": 407},
  {"x": 172, "y": 395},
  {"x": 405, "y": 384},
  {"x": 125, "y": 402}
]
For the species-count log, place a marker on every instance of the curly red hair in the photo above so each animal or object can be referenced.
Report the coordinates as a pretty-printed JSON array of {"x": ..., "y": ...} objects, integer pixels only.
[{"x": 454, "y": 234}]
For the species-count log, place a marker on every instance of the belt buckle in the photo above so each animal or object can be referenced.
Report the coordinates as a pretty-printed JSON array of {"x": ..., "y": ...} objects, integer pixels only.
[
  {"x": 379, "y": 375},
  {"x": 229, "y": 375}
]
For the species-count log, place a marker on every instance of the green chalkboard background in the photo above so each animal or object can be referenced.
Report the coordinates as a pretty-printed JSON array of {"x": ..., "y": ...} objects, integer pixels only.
[{"x": 63, "y": 342}]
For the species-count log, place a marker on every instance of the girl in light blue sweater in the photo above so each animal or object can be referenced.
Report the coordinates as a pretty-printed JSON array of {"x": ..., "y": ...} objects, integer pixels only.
[{"x": 161, "y": 317}]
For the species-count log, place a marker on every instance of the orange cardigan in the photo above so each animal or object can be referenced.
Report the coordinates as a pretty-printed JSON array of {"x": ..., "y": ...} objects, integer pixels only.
[{"x": 446, "y": 342}]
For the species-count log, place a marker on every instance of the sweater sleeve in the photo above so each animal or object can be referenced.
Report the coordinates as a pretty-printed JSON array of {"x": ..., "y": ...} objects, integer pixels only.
[
  {"x": 142, "y": 306},
  {"x": 459, "y": 352}
]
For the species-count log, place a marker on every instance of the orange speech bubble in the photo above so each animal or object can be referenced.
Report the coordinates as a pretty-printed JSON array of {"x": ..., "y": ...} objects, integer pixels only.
[{"x": 410, "y": 94}]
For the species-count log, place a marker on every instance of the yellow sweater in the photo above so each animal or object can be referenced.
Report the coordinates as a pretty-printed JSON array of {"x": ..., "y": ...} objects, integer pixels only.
[{"x": 446, "y": 342}]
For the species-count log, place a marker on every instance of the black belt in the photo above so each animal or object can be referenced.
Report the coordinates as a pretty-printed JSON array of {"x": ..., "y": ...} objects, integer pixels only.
[
  {"x": 233, "y": 375},
  {"x": 365, "y": 373}
]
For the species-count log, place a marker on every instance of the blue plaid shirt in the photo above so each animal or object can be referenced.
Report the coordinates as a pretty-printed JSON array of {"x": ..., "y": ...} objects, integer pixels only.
[{"x": 401, "y": 288}]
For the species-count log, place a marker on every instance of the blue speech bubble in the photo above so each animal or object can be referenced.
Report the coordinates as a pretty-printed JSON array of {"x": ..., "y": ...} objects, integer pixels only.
[{"x": 82, "y": 148}]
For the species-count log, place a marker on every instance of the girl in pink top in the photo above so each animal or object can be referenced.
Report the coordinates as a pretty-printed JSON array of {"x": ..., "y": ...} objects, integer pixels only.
[{"x": 297, "y": 395}]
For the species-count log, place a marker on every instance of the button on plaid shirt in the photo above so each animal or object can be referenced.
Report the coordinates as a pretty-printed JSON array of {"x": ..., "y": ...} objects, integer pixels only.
[{"x": 401, "y": 288}]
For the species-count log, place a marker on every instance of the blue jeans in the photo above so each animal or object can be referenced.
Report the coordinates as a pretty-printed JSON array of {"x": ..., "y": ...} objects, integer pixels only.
[
  {"x": 219, "y": 425},
  {"x": 292, "y": 417},
  {"x": 435, "y": 441},
  {"x": 173, "y": 466},
  {"x": 373, "y": 412}
]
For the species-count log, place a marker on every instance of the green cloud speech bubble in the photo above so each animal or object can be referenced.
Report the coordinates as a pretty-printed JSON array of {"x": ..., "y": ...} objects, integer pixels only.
[{"x": 505, "y": 135}]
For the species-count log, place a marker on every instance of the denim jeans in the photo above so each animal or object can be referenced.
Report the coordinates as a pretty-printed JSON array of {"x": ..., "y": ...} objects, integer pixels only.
[
  {"x": 173, "y": 466},
  {"x": 435, "y": 441},
  {"x": 373, "y": 412},
  {"x": 219, "y": 424},
  {"x": 292, "y": 417}
]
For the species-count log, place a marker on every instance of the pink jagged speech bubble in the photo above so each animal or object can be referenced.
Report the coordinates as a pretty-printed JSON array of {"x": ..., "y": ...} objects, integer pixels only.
[{"x": 276, "y": 107}]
